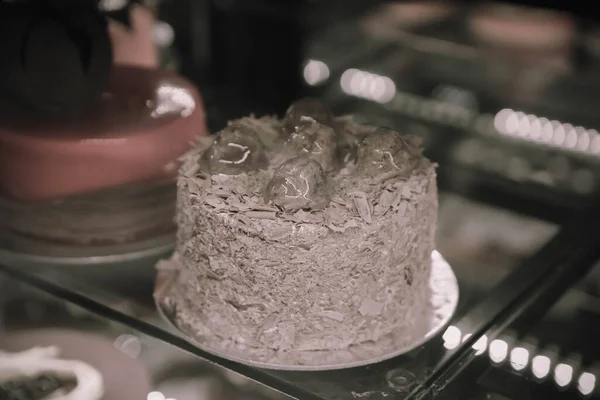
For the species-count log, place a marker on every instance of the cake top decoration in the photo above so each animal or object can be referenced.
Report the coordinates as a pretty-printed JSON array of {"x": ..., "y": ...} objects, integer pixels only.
[
  {"x": 385, "y": 150},
  {"x": 237, "y": 149},
  {"x": 306, "y": 107},
  {"x": 304, "y": 160},
  {"x": 315, "y": 140},
  {"x": 299, "y": 183}
]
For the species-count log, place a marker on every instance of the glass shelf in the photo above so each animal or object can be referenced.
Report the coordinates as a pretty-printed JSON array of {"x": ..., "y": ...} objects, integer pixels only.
[
  {"x": 135, "y": 366},
  {"x": 515, "y": 244},
  {"x": 556, "y": 356},
  {"x": 485, "y": 303}
]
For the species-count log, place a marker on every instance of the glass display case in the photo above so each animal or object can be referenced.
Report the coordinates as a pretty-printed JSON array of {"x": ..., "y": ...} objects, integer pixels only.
[
  {"x": 134, "y": 365},
  {"x": 519, "y": 159}
]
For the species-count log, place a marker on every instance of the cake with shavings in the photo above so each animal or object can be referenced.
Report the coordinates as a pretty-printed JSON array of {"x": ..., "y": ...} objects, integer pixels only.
[{"x": 306, "y": 233}]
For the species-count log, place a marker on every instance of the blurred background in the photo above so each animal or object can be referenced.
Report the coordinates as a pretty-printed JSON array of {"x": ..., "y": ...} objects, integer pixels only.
[{"x": 506, "y": 97}]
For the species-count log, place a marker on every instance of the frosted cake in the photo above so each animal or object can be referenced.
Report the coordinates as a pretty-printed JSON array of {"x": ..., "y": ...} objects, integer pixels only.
[
  {"x": 104, "y": 178},
  {"x": 304, "y": 234}
]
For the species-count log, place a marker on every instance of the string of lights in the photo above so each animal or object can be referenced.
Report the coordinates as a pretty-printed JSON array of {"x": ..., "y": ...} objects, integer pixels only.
[
  {"x": 507, "y": 122},
  {"x": 524, "y": 357}
]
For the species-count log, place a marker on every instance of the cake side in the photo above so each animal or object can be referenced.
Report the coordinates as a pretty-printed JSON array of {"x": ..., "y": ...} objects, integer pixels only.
[
  {"x": 351, "y": 270},
  {"x": 119, "y": 215},
  {"x": 307, "y": 283},
  {"x": 102, "y": 179},
  {"x": 145, "y": 121}
]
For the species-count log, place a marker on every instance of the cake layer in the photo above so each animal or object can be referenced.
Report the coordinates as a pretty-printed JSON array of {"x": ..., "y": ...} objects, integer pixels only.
[
  {"x": 123, "y": 214},
  {"x": 312, "y": 264},
  {"x": 146, "y": 120}
]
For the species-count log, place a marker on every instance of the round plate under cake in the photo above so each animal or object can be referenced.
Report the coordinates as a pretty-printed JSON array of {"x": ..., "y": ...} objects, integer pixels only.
[
  {"x": 123, "y": 377},
  {"x": 111, "y": 264},
  {"x": 444, "y": 294}
]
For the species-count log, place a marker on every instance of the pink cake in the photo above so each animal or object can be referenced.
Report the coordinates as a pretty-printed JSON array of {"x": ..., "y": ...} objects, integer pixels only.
[{"x": 104, "y": 178}]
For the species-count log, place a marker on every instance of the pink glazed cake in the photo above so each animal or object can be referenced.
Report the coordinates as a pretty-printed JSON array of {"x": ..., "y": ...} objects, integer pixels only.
[{"x": 104, "y": 178}]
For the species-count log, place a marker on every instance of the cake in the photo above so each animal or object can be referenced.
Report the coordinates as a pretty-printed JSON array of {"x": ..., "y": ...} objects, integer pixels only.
[
  {"x": 103, "y": 178},
  {"x": 38, "y": 373},
  {"x": 44, "y": 364},
  {"x": 303, "y": 234}
]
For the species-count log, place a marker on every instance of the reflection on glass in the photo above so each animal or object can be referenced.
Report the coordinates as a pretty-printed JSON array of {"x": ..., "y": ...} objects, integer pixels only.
[
  {"x": 163, "y": 34},
  {"x": 435, "y": 110},
  {"x": 157, "y": 396},
  {"x": 540, "y": 366},
  {"x": 519, "y": 358},
  {"x": 112, "y": 5},
  {"x": 129, "y": 344},
  {"x": 480, "y": 345},
  {"x": 173, "y": 100},
  {"x": 586, "y": 383},
  {"x": 498, "y": 351},
  {"x": 539, "y": 129},
  {"x": 315, "y": 72},
  {"x": 368, "y": 85},
  {"x": 563, "y": 374},
  {"x": 452, "y": 337}
]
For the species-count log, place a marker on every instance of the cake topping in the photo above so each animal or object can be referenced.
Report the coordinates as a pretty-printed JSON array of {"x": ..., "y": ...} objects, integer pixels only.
[
  {"x": 316, "y": 141},
  {"x": 307, "y": 107},
  {"x": 237, "y": 149},
  {"x": 299, "y": 183},
  {"x": 303, "y": 171},
  {"x": 386, "y": 151},
  {"x": 347, "y": 148}
]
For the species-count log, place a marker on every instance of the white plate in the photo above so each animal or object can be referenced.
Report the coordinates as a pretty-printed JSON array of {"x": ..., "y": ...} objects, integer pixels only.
[
  {"x": 145, "y": 252},
  {"x": 443, "y": 300}
]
